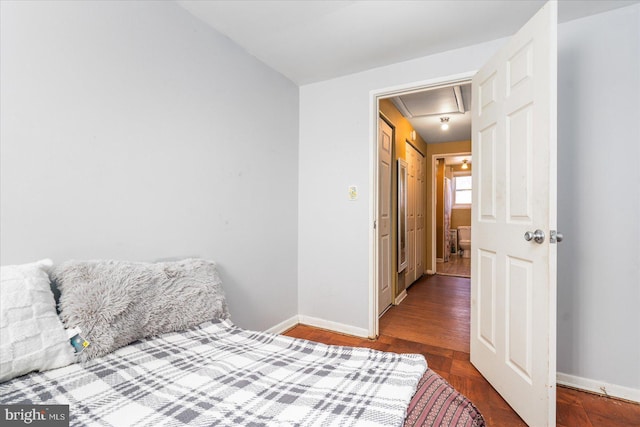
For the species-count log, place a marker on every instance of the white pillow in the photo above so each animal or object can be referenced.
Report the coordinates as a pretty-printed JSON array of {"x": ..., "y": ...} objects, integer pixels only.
[{"x": 32, "y": 337}]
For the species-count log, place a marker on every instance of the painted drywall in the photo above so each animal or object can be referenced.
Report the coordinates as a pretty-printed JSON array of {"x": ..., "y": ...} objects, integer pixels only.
[
  {"x": 131, "y": 130},
  {"x": 599, "y": 205},
  {"x": 460, "y": 217},
  {"x": 337, "y": 130},
  {"x": 598, "y": 271}
]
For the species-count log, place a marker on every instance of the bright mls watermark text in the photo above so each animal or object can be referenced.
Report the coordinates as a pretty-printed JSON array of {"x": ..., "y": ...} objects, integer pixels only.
[{"x": 34, "y": 415}]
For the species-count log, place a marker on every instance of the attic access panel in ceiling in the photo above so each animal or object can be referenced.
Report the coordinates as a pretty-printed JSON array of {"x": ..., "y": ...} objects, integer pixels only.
[
  {"x": 445, "y": 100},
  {"x": 424, "y": 110}
]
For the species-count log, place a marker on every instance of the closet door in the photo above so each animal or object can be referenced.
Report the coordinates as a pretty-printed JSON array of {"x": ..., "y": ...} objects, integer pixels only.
[
  {"x": 411, "y": 214},
  {"x": 416, "y": 213},
  {"x": 420, "y": 213},
  {"x": 385, "y": 144}
]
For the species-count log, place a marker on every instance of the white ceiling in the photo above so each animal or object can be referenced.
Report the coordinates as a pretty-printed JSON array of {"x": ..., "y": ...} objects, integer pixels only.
[
  {"x": 315, "y": 40},
  {"x": 456, "y": 160}
]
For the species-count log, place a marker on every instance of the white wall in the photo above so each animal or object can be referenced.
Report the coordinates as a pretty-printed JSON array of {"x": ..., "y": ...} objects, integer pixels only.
[
  {"x": 599, "y": 197},
  {"x": 130, "y": 130},
  {"x": 335, "y": 142},
  {"x": 598, "y": 278}
]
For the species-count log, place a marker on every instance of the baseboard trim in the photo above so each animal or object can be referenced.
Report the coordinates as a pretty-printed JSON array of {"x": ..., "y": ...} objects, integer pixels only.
[
  {"x": 400, "y": 297},
  {"x": 285, "y": 325},
  {"x": 439, "y": 259},
  {"x": 431, "y": 272},
  {"x": 334, "y": 326},
  {"x": 598, "y": 387}
]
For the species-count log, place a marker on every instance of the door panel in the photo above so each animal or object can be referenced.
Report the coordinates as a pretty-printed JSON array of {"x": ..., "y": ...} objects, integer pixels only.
[
  {"x": 486, "y": 290},
  {"x": 486, "y": 177},
  {"x": 519, "y": 291},
  {"x": 513, "y": 285},
  {"x": 385, "y": 138}
]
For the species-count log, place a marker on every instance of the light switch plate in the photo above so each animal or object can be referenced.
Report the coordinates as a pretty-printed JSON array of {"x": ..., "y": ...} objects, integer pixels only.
[{"x": 353, "y": 192}]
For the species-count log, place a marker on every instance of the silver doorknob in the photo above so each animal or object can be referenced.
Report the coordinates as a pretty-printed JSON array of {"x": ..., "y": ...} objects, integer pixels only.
[
  {"x": 537, "y": 236},
  {"x": 555, "y": 237}
]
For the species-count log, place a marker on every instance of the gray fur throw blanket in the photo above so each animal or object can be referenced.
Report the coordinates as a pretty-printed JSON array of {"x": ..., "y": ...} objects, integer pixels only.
[{"x": 115, "y": 303}]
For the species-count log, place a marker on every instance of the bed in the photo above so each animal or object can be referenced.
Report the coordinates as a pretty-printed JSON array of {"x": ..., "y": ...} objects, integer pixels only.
[{"x": 149, "y": 365}]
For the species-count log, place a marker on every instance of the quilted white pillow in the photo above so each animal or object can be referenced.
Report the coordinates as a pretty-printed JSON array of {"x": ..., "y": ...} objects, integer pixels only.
[{"x": 32, "y": 337}]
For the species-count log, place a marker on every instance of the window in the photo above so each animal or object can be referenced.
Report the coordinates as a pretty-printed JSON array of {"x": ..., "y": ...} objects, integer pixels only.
[{"x": 462, "y": 191}]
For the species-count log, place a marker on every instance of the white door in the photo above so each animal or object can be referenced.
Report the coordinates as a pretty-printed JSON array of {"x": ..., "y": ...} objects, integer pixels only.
[
  {"x": 420, "y": 213},
  {"x": 410, "y": 274},
  {"x": 385, "y": 135},
  {"x": 415, "y": 214},
  {"x": 513, "y": 285}
]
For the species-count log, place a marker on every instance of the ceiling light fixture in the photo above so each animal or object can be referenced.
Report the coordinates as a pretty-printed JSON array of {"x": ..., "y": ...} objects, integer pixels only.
[
  {"x": 444, "y": 123},
  {"x": 465, "y": 165}
]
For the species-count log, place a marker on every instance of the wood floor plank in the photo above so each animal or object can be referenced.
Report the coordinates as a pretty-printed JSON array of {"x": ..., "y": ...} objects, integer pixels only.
[
  {"x": 434, "y": 321},
  {"x": 571, "y": 415},
  {"x": 603, "y": 411},
  {"x": 465, "y": 369}
]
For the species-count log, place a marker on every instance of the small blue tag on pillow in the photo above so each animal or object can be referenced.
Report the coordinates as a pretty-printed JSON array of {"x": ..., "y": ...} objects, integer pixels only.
[{"x": 77, "y": 341}]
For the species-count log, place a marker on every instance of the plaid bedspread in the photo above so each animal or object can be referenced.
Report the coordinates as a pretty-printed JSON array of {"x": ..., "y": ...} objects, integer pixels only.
[{"x": 220, "y": 374}]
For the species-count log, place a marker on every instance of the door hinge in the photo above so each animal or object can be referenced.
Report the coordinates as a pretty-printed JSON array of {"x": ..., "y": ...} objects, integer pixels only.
[{"x": 375, "y": 224}]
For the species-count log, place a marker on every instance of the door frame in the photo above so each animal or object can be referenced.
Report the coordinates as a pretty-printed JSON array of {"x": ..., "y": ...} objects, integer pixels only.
[
  {"x": 433, "y": 242},
  {"x": 374, "y": 114}
]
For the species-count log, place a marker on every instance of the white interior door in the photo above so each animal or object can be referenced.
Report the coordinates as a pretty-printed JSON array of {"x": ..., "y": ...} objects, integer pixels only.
[
  {"x": 513, "y": 286},
  {"x": 410, "y": 274},
  {"x": 385, "y": 135},
  {"x": 415, "y": 213},
  {"x": 420, "y": 213}
]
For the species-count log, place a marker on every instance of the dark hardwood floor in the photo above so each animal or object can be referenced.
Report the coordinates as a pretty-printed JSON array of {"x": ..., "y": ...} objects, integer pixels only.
[
  {"x": 436, "y": 311},
  {"x": 434, "y": 321},
  {"x": 456, "y": 266}
]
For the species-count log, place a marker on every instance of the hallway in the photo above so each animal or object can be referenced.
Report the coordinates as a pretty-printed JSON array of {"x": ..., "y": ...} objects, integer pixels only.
[{"x": 440, "y": 306}]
